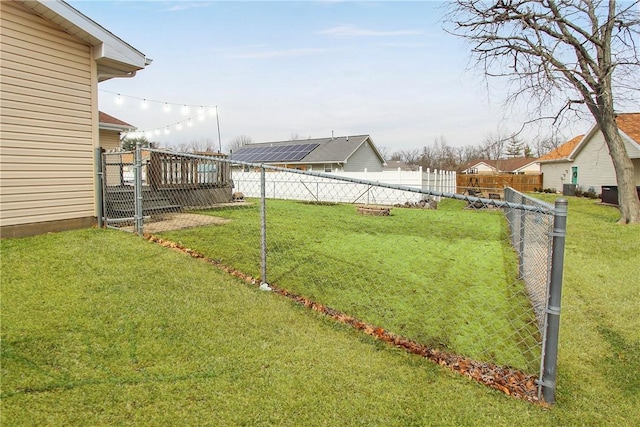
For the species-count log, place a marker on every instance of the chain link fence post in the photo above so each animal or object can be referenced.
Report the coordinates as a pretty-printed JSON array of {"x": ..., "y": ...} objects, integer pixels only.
[
  {"x": 264, "y": 285},
  {"x": 521, "y": 239},
  {"x": 550, "y": 345},
  {"x": 97, "y": 158},
  {"x": 137, "y": 190}
]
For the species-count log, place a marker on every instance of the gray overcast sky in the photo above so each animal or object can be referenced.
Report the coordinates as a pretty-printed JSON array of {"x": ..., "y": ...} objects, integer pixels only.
[{"x": 308, "y": 68}]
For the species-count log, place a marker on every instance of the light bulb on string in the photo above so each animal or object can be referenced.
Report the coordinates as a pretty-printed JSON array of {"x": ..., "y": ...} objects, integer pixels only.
[
  {"x": 189, "y": 123},
  {"x": 185, "y": 110},
  {"x": 157, "y": 131},
  {"x": 118, "y": 99},
  {"x": 201, "y": 111},
  {"x": 167, "y": 130},
  {"x": 179, "y": 126},
  {"x": 144, "y": 104},
  {"x": 166, "y": 107}
]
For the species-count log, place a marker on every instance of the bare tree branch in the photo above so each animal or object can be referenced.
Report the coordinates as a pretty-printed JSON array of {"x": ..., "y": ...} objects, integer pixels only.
[{"x": 568, "y": 55}]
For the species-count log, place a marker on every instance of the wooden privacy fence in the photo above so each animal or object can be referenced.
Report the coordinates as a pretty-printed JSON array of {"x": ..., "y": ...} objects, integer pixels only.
[{"x": 495, "y": 183}]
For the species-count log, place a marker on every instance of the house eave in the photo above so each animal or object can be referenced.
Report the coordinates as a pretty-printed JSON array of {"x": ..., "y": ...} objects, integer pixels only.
[
  {"x": 114, "y": 56},
  {"x": 564, "y": 160},
  {"x": 114, "y": 127}
]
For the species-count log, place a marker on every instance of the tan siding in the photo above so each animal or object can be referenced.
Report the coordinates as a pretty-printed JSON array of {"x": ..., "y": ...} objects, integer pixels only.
[
  {"x": 44, "y": 113},
  {"x": 21, "y": 24},
  {"x": 31, "y": 154},
  {"x": 39, "y": 131},
  {"x": 56, "y": 191},
  {"x": 109, "y": 139},
  {"x": 43, "y": 60},
  {"x": 57, "y": 81},
  {"x": 13, "y": 117},
  {"x": 55, "y": 213},
  {"x": 46, "y": 91},
  {"x": 26, "y": 101},
  {"x": 47, "y": 121}
]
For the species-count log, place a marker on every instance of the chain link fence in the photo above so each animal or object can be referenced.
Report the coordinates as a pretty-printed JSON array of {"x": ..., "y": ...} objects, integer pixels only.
[{"x": 456, "y": 273}]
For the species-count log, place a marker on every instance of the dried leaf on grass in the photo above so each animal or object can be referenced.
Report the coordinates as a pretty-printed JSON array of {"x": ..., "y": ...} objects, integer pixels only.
[{"x": 510, "y": 381}]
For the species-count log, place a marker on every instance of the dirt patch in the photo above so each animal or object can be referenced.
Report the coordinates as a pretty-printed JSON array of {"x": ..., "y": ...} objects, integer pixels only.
[{"x": 179, "y": 221}]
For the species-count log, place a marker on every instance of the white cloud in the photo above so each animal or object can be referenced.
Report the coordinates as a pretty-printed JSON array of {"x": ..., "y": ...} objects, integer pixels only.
[
  {"x": 348, "y": 30},
  {"x": 179, "y": 6},
  {"x": 266, "y": 54}
]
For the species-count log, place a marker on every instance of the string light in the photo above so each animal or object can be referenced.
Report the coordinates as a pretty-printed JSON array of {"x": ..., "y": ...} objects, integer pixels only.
[
  {"x": 167, "y": 106},
  {"x": 145, "y": 104}
]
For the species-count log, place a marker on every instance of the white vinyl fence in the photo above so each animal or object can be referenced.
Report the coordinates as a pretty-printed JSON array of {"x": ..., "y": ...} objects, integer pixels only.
[{"x": 294, "y": 186}]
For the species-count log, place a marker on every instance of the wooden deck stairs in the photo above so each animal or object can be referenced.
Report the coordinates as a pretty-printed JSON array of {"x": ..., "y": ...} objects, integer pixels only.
[{"x": 120, "y": 202}]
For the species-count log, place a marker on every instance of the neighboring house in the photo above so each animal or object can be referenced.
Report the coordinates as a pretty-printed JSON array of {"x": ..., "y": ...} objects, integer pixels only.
[
  {"x": 344, "y": 154},
  {"x": 394, "y": 165},
  {"x": 516, "y": 165},
  {"x": 585, "y": 160},
  {"x": 111, "y": 130},
  {"x": 52, "y": 59}
]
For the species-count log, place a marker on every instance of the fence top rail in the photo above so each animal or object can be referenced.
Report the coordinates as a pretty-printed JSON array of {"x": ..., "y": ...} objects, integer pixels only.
[
  {"x": 537, "y": 206},
  {"x": 533, "y": 200}
]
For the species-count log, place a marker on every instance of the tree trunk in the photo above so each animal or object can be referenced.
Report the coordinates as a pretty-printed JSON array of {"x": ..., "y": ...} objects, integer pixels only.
[{"x": 628, "y": 201}]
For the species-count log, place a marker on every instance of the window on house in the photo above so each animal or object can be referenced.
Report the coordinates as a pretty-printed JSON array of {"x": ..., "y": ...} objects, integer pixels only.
[{"x": 327, "y": 167}]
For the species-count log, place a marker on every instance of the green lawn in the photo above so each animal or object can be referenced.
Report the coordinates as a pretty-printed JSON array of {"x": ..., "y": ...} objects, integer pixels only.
[
  {"x": 445, "y": 278},
  {"x": 103, "y": 328}
]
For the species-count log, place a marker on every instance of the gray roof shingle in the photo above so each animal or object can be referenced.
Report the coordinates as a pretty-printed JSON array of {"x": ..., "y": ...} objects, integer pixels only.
[{"x": 329, "y": 150}]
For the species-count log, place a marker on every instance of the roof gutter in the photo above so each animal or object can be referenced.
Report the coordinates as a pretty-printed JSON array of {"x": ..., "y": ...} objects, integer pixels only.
[
  {"x": 111, "y": 126},
  {"x": 106, "y": 76}
]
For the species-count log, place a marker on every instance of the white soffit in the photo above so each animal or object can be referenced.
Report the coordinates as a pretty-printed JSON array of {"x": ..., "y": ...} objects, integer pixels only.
[{"x": 108, "y": 48}]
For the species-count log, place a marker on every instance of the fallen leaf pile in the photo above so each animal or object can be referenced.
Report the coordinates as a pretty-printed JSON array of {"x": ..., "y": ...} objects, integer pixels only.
[{"x": 510, "y": 381}]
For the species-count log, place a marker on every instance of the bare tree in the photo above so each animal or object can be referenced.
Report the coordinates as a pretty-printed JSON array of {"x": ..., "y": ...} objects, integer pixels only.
[
  {"x": 546, "y": 144},
  {"x": 297, "y": 137},
  {"x": 567, "y": 54},
  {"x": 238, "y": 142},
  {"x": 384, "y": 152},
  {"x": 196, "y": 145},
  {"x": 493, "y": 145},
  {"x": 410, "y": 157},
  {"x": 396, "y": 155}
]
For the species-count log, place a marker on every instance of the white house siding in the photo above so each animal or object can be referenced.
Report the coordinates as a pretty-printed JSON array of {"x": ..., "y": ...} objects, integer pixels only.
[
  {"x": 554, "y": 175},
  {"x": 48, "y": 117},
  {"x": 363, "y": 158},
  {"x": 595, "y": 167}
]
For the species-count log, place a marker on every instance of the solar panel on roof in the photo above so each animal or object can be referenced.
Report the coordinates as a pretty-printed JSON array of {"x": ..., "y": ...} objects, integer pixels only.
[{"x": 278, "y": 153}]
